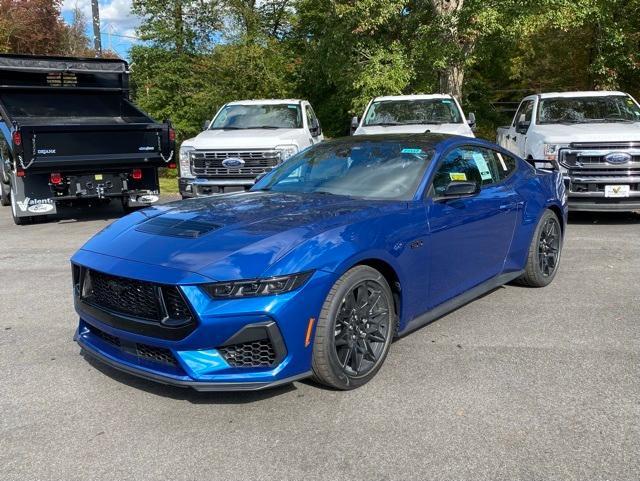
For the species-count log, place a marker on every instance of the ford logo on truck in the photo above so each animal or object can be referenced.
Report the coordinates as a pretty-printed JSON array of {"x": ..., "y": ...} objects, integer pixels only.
[
  {"x": 232, "y": 163},
  {"x": 617, "y": 158}
]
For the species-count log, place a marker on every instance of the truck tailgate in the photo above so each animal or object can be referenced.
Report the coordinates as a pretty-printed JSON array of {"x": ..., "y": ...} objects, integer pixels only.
[{"x": 81, "y": 146}]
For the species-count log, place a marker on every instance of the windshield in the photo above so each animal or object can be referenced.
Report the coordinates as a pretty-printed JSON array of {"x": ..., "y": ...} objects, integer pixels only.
[
  {"x": 372, "y": 169},
  {"x": 267, "y": 116},
  {"x": 407, "y": 112},
  {"x": 613, "y": 108}
]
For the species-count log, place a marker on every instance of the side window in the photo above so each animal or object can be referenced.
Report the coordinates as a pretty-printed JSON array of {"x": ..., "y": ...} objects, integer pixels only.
[
  {"x": 473, "y": 164},
  {"x": 526, "y": 108},
  {"x": 504, "y": 165}
]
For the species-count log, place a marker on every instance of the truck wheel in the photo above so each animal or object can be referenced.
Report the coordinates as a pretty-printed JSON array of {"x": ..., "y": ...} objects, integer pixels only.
[
  {"x": 544, "y": 252},
  {"x": 5, "y": 194}
]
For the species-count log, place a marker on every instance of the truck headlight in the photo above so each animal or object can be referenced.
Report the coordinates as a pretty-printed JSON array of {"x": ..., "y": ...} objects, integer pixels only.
[
  {"x": 550, "y": 151},
  {"x": 286, "y": 151},
  {"x": 185, "y": 162},
  {"x": 257, "y": 287}
]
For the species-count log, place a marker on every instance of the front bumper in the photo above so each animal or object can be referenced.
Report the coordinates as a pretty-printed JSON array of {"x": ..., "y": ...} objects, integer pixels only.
[
  {"x": 196, "y": 187},
  {"x": 586, "y": 193},
  {"x": 200, "y": 358}
]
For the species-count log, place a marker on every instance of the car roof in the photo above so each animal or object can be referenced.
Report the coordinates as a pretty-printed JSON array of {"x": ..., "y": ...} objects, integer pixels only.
[
  {"x": 586, "y": 93},
  {"x": 412, "y": 97},
  {"x": 265, "y": 102}
]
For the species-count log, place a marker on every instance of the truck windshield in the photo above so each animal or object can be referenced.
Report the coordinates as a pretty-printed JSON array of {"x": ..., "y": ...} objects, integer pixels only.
[
  {"x": 374, "y": 169},
  {"x": 266, "y": 116},
  {"x": 408, "y": 112},
  {"x": 612, "y": 108}
]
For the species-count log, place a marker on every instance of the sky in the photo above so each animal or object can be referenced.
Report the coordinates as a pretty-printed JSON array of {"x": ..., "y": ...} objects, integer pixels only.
[{"x": 118, "y": 25}]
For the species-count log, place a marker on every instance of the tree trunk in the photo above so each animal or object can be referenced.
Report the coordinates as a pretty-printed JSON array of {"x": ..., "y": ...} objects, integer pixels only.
[
  {"x": 452, "y": 76},
  {"x": 451, "y": 80},
  {"x": 179, "y": 26}
]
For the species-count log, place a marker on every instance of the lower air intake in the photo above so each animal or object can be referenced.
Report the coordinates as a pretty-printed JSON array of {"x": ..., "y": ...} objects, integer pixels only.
[{"x": 250, "y": 354}]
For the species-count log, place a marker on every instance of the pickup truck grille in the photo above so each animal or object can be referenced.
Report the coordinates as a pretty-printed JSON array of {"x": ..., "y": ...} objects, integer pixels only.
[
  {"x": 256, "y": 162},
  {"x": 593, "y": 155}
]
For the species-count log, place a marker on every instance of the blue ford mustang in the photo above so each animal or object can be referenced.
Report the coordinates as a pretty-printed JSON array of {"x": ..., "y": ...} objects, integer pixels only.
[{"x": 315, "y": 270}]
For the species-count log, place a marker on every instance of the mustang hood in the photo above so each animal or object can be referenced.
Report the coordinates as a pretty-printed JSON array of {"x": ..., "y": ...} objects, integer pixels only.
[{"x": 209, "y": 235}]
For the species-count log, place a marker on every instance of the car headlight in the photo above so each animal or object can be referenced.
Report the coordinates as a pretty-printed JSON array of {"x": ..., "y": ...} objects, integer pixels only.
[
  {"x": 257, "y": 287},
  {"x": 185, "y": 162},
  {"x": 286, "y": 151},
  {"x": 550, "y": 151}
]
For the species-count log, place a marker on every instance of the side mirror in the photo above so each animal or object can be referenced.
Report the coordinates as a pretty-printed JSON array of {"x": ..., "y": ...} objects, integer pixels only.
[
  {"x": 523, "y": 125},
  {"x": 355, "y": 122},
  {"x": 471, "y": 120},
  {"x": 456, "y": 190},
  {"x": 315, "y": 128},
  {"x": 205, "y": 124}
]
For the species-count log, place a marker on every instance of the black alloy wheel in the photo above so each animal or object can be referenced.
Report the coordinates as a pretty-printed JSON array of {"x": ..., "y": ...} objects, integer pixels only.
[
  {"x": 355, "y": 329},
  {"x": 549, "y": 246},
  {"x": 362, "y": 328},
  {"x": 543, "y": 259}
]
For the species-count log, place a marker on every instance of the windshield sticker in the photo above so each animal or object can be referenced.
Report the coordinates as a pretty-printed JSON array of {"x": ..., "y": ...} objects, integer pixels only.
[
  {"x": 504, "y": 166},
  {"x": 411, "y": 151},
  {"x": 292, "y": 106},
  {"x": 485, "y": 173},
  {"x": 457, "y": 176},
  {"x": 446, "y": 101}
]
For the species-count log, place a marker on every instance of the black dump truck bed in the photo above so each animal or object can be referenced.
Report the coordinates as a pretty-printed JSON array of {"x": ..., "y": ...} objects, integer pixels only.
[
  {"x": 69, "y": 132},
  {"x": 73, "y": 113}
]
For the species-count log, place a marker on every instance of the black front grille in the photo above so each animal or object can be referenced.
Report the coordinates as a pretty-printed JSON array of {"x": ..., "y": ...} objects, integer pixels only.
[
  {"x": 156, "y": 354},
  {"x": 127, "y": 296},
  {"x": 250, "y": 354},
  {"x": 138, "y": 299},
  {"x": 142, "y": 351}
]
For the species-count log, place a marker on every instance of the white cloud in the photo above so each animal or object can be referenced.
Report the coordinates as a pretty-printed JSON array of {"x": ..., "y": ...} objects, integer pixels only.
[{"x": 115, "y": 15}]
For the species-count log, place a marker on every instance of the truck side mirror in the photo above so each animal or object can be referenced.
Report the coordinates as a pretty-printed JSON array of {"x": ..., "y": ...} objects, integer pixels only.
[
  {"x": 471, "y": 120},
  {"x": 523, "y": 125},
  {"x": 315, "y": 128},
  {"x": 205, "y": 124},
  {"x": 355, "y": 122}
]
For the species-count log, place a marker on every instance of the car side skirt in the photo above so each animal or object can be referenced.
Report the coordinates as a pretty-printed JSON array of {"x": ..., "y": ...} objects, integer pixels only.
[{"x": 459, "y": 301}]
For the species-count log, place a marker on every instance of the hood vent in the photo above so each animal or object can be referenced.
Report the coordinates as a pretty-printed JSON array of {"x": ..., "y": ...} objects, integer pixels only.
[{"x": 188, "y": 228}]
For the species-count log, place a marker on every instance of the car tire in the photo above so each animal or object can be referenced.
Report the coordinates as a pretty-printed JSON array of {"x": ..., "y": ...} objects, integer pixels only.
[
  {"x": 5, "y": 194},
  {"x": 355, "y": 329},
  {"x": 543, "y": 259}
]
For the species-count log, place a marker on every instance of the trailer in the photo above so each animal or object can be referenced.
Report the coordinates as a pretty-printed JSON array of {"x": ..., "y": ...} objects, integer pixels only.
[{"x": 70, "y": 134}]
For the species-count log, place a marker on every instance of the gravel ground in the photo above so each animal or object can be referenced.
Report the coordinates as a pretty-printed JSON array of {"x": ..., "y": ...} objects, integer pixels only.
[{"x": 521, "y": 384}]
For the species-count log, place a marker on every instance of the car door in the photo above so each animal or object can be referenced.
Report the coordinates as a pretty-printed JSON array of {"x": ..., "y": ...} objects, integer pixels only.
[{"x": 469, "y": 237}]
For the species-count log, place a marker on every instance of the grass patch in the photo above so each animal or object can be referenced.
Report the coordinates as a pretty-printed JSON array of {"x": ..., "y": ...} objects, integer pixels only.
[{"x": 168, "y": 186}]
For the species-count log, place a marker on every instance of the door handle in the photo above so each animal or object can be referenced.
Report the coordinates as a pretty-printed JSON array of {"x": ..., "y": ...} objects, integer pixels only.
[{"x": 507, "y": 206}]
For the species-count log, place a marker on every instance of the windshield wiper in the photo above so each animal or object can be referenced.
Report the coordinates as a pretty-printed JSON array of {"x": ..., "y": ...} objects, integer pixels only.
[
  {"x": 264, "y": 127},
  {"x": 226, "y": 128},
  {"x": 384, "y": 124}
]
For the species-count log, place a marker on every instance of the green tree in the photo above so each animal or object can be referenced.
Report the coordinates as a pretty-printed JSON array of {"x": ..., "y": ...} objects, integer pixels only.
[{"x": 180, "y": 25}]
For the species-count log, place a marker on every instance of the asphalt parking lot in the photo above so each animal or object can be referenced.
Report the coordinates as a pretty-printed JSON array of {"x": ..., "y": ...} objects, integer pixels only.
[{"x": 523, "y": 383}]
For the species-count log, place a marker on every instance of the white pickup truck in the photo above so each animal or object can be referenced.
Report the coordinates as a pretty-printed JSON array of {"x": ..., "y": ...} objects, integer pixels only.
[
  {"x": 592, "y": 137},
  {"x": 414, "y": 114},
  {"x": 245, "y": 139}
]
